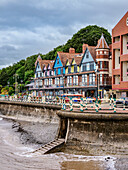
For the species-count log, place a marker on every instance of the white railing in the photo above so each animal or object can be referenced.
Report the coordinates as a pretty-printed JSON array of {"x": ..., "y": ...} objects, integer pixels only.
[{"x": 76, "y": 103}]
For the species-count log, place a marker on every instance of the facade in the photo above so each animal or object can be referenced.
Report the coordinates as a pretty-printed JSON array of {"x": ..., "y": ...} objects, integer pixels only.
[
  {"x": 75, "y": 73},
  {"x": 120, "y": 57}
]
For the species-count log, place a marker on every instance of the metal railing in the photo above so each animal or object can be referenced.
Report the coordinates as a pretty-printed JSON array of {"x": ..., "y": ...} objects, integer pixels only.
[{"x": 77, "y": 104}]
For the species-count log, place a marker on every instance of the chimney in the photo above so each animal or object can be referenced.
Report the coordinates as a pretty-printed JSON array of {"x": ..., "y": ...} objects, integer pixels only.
[
  {"x": 71, "y": 50},
  {"x": 84, "y": 47}
]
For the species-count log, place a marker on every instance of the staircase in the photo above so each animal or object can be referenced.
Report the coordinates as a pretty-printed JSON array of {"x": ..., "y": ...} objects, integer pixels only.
[{"x": 50, "y": 146}]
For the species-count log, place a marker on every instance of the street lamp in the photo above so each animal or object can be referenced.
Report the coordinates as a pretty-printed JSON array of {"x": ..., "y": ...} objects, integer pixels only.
[
  {"x": 16, "y": 76},
  {"x": 21, "y": 85},
  {"x": 8, "y": 83},
  {"x": 63, "y": 82},
  {"x": 97, "y": 73}
]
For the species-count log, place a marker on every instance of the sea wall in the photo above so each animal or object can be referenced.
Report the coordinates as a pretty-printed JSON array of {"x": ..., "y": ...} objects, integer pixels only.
[
  {"x": 43, "y": 111},
  {"x": 97, "y": 134},
  {"x": 89, "y": 133}
]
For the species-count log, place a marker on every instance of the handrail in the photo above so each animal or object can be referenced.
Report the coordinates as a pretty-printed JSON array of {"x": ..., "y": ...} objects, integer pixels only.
[{"x": 75, "y": 103}]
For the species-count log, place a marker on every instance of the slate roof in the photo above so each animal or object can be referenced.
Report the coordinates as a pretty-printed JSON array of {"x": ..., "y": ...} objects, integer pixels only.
[
  {"x": 102, "y": 43},
  {"x": 68, "y": 56},
  {"x": 43, "y": 63}
]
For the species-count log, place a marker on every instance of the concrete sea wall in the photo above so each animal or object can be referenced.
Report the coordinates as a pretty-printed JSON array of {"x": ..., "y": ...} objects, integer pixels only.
[
  {"x": 97, "y": 134},
  {"x": 89, "y": 133},
  {"x": 42, "y": 111}
]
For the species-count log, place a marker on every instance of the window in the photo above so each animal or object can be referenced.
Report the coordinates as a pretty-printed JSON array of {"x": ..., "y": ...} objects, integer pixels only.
[
  {"x": 40, "y": 74},
  {"x": 105, "y": 79},
  {"x": 105, "y": 64},
  {"x": 105, "y": 52},
  {"x": 57, "y": 81},
  {"x": 75, "y": 80},
  {"x": 100, "y": 78},
  {"x": 36, "y": 75},
  {"x": 84, "y": 80},
  {"x": 61, "y": 81},
  {"x": 91, "y": 79},
  {"x": 40, "y": 83},
  {"x": 69, "y": 80},
  {"x": 87, "y": 55},
  {"x": 69, "y": 69},
  {"x": 75, "y": 68},
  {"x": 84, "y": 67},
  {"x": 100, "y": 64},
  {"x": 50, "y": 81},
  {"x": 57, "y": 60},
  {"x": 127, "y": 21},
  {"x": 91, "y": 66},
  {"x": 45, "y": 73},
  {"x": 50, "y": 73},
  {"x": 46, "y": 82}
]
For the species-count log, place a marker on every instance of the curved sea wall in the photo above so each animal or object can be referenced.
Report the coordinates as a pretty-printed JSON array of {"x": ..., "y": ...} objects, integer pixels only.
[
  {"x": 89, "y": 133},
  {"x": 97, "y": 134},
  {"x": 43, "y": 111}
]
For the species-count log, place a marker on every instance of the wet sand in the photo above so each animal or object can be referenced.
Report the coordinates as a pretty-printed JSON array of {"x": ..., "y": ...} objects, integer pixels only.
[{"x": 19, "y": 138}]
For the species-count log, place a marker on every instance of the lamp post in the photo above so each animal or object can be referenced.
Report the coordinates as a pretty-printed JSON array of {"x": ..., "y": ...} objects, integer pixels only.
[
  {"x": 63, "y": 82},
  {"x": 21, "y": 85},
  {"x": 16, "y": 83},
  {"x": 8, "y": 83}
]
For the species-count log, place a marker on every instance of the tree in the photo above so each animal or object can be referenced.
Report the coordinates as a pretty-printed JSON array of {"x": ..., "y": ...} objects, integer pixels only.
[
  {"x": 11, "y": 91},
  {"x": 28, "y": 75}
]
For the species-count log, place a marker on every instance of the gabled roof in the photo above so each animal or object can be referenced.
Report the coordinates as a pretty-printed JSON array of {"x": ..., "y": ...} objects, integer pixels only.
[
  {"x": 43, "y": 63},
  {"x": 67, "y": 56},
  {"x": 78, "y": 60},
  {"x": 51, "y": 63},
  {"x": 102, "y": 43},
  {"x": 92, "y": 50}
]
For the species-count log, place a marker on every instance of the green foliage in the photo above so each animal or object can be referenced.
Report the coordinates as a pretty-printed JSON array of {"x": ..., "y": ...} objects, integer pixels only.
[
  {"x": 28, "y": 75},
  {"x": 10, "y": 91},
  {"x": 25, "y": 68}
]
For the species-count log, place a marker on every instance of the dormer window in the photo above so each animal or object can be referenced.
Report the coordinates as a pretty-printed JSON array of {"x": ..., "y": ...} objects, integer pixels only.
[
  {"x": 87, "y": 55},
  {"x": 75, "y": 68},
  {"x": 50, "y": 72},
  {"x": 69, "y": 69},
  {"x": 127, "y": 21},
  {"x": 57, "y": 60}
]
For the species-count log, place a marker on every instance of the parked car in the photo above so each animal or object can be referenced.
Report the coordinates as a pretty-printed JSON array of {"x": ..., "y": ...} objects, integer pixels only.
[{"x": 121, "y": 100}]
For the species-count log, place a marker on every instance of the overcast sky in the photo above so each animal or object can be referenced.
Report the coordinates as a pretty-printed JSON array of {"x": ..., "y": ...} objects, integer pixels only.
[{"x": 30, "y": 27}]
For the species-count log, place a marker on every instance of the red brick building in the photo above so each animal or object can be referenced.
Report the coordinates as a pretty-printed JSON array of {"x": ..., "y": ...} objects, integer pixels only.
[{"x": 120, "y": 57}]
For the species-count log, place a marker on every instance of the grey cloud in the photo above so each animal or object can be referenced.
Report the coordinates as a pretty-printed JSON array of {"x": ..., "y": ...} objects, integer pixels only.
[
  {"x": 29, "y": 27},
  {"x": 8, "y": 48}
]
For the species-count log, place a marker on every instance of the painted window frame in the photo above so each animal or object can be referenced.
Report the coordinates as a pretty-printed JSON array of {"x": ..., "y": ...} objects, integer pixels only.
[
  {"x": 92, "y": 79},
  {"x": 84, "y": 79},
  {"x": 69, "y": 80},
  {"x": 75, "y": 80}
]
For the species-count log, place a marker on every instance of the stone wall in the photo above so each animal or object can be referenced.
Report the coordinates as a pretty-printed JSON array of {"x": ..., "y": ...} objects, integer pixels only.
[
  {"x": 98, "y": 137},
  {"x": 47, "y": 113}
]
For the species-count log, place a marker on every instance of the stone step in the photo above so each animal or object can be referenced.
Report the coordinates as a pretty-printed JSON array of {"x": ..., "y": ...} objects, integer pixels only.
[{"x": 47, "y": 147}]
